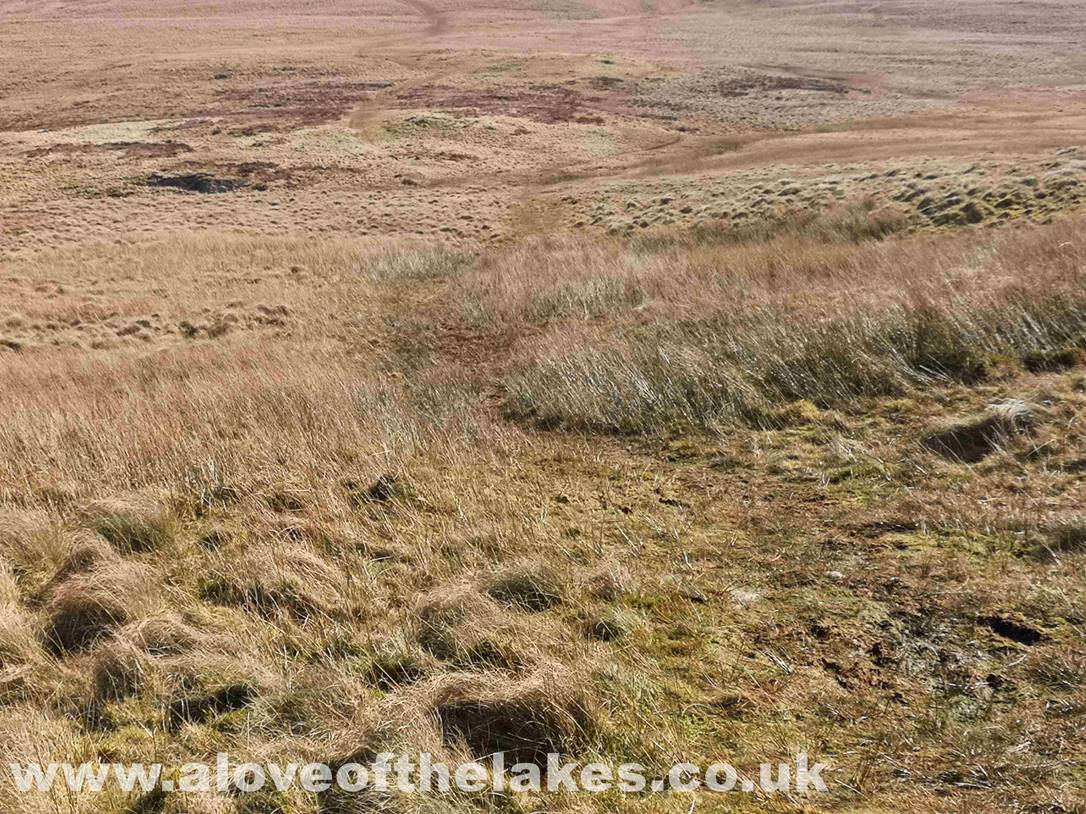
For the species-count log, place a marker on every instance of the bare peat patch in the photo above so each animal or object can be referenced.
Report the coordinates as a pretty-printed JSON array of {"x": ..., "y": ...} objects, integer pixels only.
[
  {"x": 541, "y": 103},
  {"x": 195, "y": 182},
  {"x": 1010, "y": 629},
  {"x": 748, "y": 85},
  {"x": 220, "y": 178},
  {"x": 284, "y": 106}
]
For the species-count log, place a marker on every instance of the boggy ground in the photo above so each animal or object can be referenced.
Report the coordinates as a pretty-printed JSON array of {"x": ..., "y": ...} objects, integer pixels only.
[{"x": 656, "y": 383}]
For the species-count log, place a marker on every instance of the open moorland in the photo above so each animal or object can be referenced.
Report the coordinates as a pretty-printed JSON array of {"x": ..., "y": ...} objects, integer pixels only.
[{"x": 640, "y": 380}]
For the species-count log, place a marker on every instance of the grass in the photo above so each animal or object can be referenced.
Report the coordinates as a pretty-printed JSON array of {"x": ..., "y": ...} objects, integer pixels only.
[
  {"x": 534, "y": 588},
  {"x": 644, "y": 500},
  {"x": 779, "y": 448},
  {"x": 905, "y": 315},
  {"x": 415, "y": 264}
]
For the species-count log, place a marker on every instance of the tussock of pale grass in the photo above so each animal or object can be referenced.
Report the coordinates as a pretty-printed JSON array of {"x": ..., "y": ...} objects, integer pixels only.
[
  {"x": 1066, "y": 535},
  {"x": 125, "y": 663},
  {"x": 139, "y": 523},
  {"x": 120, "y": 669},
  {"x": 277, "y": 578},
  {"x": 544, "y": 713},
  {"x": 609, "y": 581},
  {"x": 166, "y": 634},
  {"x": 972, "y": 439},
  {"x": 609, "y": 626},
  {"x": 85, "y": 554},
  {"x": 93, "y": 594},
  {"x": 532, "y": 586},
  {"x": 398, "y": 661},
  {"x": 422, "y": 263},
  {"x": 24, "y": 667},
  {"x": 468, "y": 629},
  {"x": 204, "y": 685},
  {"x": 33, "y": 542}
]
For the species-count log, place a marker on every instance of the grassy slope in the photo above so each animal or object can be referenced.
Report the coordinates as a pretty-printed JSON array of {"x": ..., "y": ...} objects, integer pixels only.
[{"x": 329, "y": 513}]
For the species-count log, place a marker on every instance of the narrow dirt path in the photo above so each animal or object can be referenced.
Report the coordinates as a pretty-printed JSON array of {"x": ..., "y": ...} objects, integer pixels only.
[{"x": 437, "y": 21}]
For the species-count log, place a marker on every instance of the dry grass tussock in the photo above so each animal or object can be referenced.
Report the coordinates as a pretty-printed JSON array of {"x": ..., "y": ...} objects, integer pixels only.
[
  {"x": 540, "y": 714},
  {"x": 86, "y": 606}
]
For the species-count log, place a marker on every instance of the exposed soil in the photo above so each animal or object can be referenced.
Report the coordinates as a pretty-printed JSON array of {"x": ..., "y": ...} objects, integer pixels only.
[
  {"x": 219, "y": 178},
  {"x": 298, "y": 104},
  {"x": 130, "y": 149},
  {"x": 765, "y": 84},
  {"x": 546, "y": 104},
  {"x": 196, "y": 182}
]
